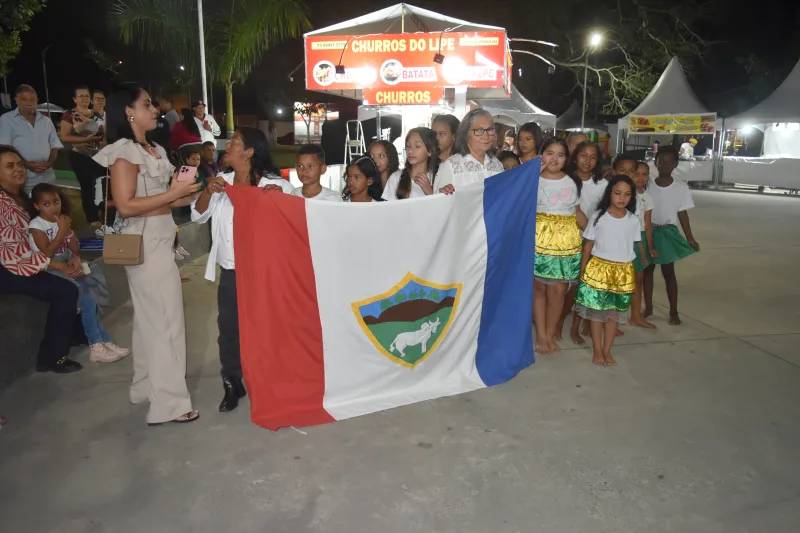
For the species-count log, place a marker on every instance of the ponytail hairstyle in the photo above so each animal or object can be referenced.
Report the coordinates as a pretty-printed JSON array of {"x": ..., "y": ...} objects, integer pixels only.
[
  {"x": 605, "y": 201},
  {"x": 261, "y": 162},
  {"x": 572, "y": 162},
  {"x": 428, "y": 137},
  {"x": 557, "y": 140},
  {"x": 369, "y": 168},
  {"x": 189, "y": 122}
]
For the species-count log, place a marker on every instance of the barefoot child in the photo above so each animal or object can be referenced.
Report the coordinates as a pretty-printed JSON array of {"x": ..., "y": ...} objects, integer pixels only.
[
  {"x": 558, "y": 242},
  {"x": 607, "y": 276},
  {"x": 623, "y": 165},
  {"x": 671, "y": 200},
  {"x": 51, "y": 234},
  {"x": 583, "y": 163},
  {"x": 644, "y": 210},
  {"x": 310, "y": 168},
  {"x": 362, "y": 181}
]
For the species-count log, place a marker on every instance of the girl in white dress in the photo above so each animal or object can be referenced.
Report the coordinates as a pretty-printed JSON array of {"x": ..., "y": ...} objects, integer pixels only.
[{"x": 422, "y": 162}]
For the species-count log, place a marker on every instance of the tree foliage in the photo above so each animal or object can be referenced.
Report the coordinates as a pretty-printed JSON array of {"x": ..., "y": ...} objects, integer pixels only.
[
  {"x": 15, "y": 15},
  {"x": 640, "y": 37},
  {"x": 237, "y": 33},
  {"x": 307, "y": 111}
]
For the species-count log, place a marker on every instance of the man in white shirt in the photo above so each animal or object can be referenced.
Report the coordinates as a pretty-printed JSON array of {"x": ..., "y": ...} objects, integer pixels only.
[
  {"x": 33, "y": 135},
  {"x": 209, "y": 129},
  {"x": 687, "y": 150}
]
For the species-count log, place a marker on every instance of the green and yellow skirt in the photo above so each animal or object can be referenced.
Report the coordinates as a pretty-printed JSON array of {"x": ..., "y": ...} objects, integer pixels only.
[
  {"x": 605, "y": 291},
  {"x": 558, "y": 248},
  {"x": 670, "y": 244}
]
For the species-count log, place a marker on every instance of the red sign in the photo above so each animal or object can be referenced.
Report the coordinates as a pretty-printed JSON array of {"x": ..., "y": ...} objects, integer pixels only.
[
  {"x": 477, "y": 59},
  {"x": 401, "y": 95}
]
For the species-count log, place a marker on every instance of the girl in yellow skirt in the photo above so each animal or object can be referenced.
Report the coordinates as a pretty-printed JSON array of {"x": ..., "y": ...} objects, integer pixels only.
[
  {"x": 558, "y": 242},
  {"x": 671, "y": 201},
  {"x": 607, "y": 275}
]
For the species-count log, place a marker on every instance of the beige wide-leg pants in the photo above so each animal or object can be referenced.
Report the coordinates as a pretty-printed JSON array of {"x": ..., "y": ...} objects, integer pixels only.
[{"x": 159, "y": 330}]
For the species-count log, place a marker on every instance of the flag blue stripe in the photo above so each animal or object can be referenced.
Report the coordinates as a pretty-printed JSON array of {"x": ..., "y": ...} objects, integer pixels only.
[{"x": 505, "y": 340}]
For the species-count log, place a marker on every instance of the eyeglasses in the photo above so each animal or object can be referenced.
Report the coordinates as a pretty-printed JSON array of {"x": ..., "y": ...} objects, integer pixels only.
[{"x": 480, "y": 132}]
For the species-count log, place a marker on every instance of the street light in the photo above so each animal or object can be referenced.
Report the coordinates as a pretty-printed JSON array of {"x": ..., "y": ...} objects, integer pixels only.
[
  {"x": 44, "y": 74},
  {"x": 595, "y": 40}
]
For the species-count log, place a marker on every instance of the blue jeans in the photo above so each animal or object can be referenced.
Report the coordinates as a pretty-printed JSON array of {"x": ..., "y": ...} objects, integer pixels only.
[{"x": 95, "y": 332}]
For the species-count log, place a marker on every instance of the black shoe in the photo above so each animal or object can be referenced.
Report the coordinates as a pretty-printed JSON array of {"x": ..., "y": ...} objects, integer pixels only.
[
  {"x": 62, "y": 366},
  {"x": 234, "y": 389}
]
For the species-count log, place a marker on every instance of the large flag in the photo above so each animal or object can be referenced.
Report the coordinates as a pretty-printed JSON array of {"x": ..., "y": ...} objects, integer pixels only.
[{"x": 347, "y": 309}]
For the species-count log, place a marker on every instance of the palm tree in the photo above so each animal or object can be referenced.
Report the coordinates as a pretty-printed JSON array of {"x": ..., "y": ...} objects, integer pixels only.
[{"x": 237, "y": 33}]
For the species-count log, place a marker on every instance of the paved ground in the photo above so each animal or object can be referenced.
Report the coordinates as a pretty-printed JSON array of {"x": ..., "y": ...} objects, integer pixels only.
[{"x": 695, "y": 431}]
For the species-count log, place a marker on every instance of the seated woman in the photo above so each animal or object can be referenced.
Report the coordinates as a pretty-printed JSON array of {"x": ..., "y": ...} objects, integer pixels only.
[{"x": 22, "y": 271}]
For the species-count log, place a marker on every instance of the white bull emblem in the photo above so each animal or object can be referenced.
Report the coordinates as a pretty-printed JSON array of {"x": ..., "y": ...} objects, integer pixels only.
[{"x": 413, "y": 338}]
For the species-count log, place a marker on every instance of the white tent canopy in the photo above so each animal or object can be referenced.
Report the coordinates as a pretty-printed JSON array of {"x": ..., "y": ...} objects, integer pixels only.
[
  {"x": 783, "y": 105},
  {"x": 672, "y": 95},
  {"x": 519, "y": 109},
  {"x": 402, "y": 18}
]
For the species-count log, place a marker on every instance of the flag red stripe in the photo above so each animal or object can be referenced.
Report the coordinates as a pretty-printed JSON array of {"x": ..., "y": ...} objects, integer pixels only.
[{"x": 281, "y": 344}]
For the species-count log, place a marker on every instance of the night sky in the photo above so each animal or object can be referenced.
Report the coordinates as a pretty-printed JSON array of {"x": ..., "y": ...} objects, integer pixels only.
[{"x": 768, "y": 31}]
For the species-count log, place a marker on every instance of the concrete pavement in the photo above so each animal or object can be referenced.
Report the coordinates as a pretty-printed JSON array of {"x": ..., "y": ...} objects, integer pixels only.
[{"x": 695, "y": 431}]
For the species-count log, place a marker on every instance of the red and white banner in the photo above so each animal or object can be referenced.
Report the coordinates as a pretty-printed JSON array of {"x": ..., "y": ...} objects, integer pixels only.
[{"x": 477, "y": 59}]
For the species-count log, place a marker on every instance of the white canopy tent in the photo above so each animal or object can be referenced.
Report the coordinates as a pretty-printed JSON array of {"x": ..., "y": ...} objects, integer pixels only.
[
  {"x": 778, "y": 116},
  {"x": 518, "y": 110},
  {"x": 570, "y": 120},
  {"x": 672, "y": 95}
]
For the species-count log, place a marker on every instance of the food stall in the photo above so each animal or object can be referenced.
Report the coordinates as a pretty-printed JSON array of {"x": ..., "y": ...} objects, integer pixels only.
[
  {"x": 778, "y": 116},
  {"x": 409, "y": 61},
  {"x": 671, "y": 109}
]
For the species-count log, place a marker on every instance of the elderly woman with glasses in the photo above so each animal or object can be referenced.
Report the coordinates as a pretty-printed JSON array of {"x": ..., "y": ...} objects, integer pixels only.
[{"x": 473, "y": 160}]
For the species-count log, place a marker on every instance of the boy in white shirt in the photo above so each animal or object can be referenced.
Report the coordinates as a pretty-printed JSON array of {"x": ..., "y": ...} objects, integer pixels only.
[
  {"x": 310, "y": 168},
  {"x": 671, "y": 201}
]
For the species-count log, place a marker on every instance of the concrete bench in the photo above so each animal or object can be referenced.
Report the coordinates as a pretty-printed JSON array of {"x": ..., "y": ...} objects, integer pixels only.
[{"x": 22, "y": 321}]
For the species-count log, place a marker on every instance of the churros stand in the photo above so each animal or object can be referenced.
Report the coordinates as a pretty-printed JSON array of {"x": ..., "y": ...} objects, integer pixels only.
[{"x": 411, "y": 62}]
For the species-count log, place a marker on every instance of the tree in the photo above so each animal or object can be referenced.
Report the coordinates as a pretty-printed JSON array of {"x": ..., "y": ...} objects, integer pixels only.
[
  {"x": 14, "y": 18},
  {"x": 308, "y": 111},
  {"x": 400, "y": 298},
  {"x": 386, "y": 304},
  {"x": 413, "y": 295},
  {"x": 237, "y": 32},
  {"x": 434, "y": 295},
  {"x": 639, "y": 39}
]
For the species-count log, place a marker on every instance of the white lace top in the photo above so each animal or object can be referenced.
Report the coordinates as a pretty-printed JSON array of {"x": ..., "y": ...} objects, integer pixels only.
[{"x": 461, "y": 170}]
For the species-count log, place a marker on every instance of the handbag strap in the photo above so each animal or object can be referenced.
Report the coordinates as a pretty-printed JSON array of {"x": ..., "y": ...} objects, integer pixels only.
[{"x": 105, "y": 206}]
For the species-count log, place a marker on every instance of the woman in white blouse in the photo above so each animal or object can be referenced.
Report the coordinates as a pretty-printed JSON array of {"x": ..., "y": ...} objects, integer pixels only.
[
  {"x": 248, "y": 155},
  {"x": 473, "y": 160}
]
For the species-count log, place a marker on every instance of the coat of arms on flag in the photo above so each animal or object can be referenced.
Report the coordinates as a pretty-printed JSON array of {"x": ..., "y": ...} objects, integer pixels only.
[{"x": 407, "y": 322}]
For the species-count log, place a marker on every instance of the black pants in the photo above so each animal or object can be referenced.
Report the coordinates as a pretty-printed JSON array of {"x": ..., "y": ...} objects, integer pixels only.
[
  {"x": 63, "y": 299},
  {"x": 87, "y": 171},
  {"x": 228, "y": 323}
]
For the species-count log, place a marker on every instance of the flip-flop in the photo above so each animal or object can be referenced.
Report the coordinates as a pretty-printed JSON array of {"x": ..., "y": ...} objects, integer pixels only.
[{"x": 189, "y": 418}]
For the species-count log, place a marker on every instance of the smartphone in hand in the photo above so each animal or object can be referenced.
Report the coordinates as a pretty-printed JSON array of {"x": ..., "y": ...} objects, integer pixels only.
[{"x": 187, "y": 173}]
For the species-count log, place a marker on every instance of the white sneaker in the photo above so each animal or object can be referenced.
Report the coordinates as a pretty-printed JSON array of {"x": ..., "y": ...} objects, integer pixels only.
[
  {"x": 101, "y": 354},
  {"x": 122, "y": 352}
]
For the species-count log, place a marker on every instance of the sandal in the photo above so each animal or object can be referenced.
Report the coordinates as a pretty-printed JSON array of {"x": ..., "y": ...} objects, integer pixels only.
[{"x": 191, "y": 416}]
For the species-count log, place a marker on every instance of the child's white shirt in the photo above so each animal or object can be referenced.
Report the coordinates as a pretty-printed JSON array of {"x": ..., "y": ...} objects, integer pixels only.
[
  {"x": 326, "y": 195},
  {"x": 390, "y": 191},
  {"x": 669, "y": 201},
  {"x": 50, "y": 229},
  {"x": 557, "y": 197},
  {"x": 644, "y": 203},
  {"x": 614, "y": 238},
  {"x": 591, "y": 194}
]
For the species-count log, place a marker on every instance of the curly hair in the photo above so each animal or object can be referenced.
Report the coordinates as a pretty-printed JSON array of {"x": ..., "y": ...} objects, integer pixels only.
[{"x": 572, "y": 162}]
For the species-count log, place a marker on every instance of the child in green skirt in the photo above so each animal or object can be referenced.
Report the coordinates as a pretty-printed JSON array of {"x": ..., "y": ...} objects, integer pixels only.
[
  {"x": 671, "y": 201},
  {"x": 644, "y": 210},
  {"x": 607, "y": 279}
]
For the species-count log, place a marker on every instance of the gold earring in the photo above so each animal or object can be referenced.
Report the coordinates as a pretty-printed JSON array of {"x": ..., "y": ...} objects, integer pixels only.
[{"x": 130, "y": 119}]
